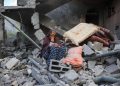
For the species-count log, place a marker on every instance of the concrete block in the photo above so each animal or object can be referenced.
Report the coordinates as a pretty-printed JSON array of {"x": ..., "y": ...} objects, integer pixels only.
[
  {"x": 11, "y": 63},
  {"x": 35, "y": 18},
  {"x": 57, "y": 66},
  {"x": 113, "y": 68},
  {"x": 70, "y": 75},
  {"x": 98, "y": 70},
  {"x": 39, "y": 34},
  {"x": 87, "y": 50},
  {"x": 91, "y": 64}
]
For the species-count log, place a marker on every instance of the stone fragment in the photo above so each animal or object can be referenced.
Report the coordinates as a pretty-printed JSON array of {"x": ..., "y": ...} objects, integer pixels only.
[
  {"x": 35, "y": 51},
  {"x": 70, "y": 75},
  {"x": 39, "y": 34},
  {"x": 11, "y": 63},
  {"x": 91, "y": 64},
  {"x": 117, "y": 47},
  {"x": 111, "y": 60},
  {"x": 35, "y": 19},
  {"x": 28, "y": 84},
  {"x": 112, "y": 68},
  {"x": 87, "y": 50},
  {"x": 37, "y": 26},
  {"x": 90, "y": 83},
  {"x": 14, "y": 83},
  {"x": 98, "y": 70}
]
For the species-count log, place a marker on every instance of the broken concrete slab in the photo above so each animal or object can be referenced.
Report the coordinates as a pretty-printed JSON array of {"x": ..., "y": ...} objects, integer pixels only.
[
  {"x": 35, "y": 18},
  {"x": 39, "y": 34},
  {"x": 90, "y": 83},
  {"x": 113, "y": 68},
  {"x": 87, "y": 50},
  {"x": 70, "y": 75},
  {"x": 11, "y": 63},
  {"x": 98, "y": 70},
  {"x": 111, "y": 60},
  {"x": 91, "y": 64}
]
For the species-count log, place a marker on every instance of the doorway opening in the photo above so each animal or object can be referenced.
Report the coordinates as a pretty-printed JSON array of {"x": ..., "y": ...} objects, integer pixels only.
[{"x": 92, "y": 16}]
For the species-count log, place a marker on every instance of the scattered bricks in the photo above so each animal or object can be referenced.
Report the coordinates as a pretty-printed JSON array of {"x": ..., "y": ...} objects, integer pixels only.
[
  {"x": 41, "y": 79},
  {"x": 98, "y": 70},
  {"x": 39, "y": 34},
  {"x": 11, "y": 63},
  {"x": 57, "y": 66},
  {"x": 111, "y": 60},
  {"x": 91, "y": 64},
  {"x": 70, "y": 75},
  {"x": 87, "y": 50},
  {"x": 113, "y": 68}
]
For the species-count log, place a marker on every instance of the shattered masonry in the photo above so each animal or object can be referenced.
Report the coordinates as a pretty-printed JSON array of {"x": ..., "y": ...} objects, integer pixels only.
[{"x": 61, "y": 43}]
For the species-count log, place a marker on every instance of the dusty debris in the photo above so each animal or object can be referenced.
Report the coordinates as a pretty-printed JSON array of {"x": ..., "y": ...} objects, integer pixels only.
[
  {"x": 11, "y": 63},
  {"x": 87, "y": 50},
  {"x": 39, "y": 34},
  {"x": 113, "y": 68},
  {"x": 98, "y": 70},
  {"x": 60, "y": 62}
]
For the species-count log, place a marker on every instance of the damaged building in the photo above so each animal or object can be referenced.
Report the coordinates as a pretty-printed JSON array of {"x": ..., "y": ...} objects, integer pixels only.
[{"x": 61, "y": 43}]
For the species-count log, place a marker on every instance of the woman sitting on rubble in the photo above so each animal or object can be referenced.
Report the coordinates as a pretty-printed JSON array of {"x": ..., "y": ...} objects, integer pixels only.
[{"x": 53, "y": 48}]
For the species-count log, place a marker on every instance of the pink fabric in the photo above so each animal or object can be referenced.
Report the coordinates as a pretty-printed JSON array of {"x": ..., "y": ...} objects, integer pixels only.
[{"x": 74, "y": 57}]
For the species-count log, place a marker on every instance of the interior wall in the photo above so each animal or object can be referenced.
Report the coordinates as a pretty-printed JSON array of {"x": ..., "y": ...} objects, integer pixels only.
[
  {"x": 72, "y": 13},
  {"x": 112, "y": 18}
]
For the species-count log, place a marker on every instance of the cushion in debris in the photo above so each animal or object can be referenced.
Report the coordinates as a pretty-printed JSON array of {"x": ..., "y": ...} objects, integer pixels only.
[{"x": 80, "y": 32}]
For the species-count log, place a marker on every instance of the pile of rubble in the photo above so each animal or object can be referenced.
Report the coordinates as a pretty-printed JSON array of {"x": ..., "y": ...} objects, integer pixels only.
[{"x": 91, "y": 64}]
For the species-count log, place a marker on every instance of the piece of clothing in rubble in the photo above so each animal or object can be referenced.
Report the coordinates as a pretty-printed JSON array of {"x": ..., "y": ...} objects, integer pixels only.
[
  {"x": 51, "y": 37},
  {"x": 74, "y": 57},
  {"x": 103, "y": 36},
  {"x": 55, "y": 52}
]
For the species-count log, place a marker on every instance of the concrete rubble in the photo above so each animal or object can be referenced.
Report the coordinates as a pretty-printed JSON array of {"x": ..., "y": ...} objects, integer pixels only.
[
  {"x": 25, "y": 67},
  {"x": 77, "y": 57}
]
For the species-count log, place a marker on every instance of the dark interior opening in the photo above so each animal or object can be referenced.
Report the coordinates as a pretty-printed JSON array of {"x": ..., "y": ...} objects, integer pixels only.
[{"x": 92, "y": 16}]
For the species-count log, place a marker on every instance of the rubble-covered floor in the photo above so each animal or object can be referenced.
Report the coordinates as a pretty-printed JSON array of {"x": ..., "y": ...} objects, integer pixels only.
[{"x": 25, "y": 67}]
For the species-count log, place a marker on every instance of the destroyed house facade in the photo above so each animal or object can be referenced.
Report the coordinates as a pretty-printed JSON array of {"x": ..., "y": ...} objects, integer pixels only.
[{"x": 61, "y": 43}]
